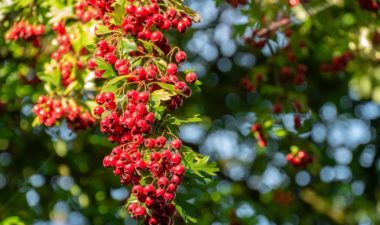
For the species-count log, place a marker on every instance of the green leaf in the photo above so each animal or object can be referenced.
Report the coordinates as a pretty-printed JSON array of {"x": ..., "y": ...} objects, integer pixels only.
[
  {"x": 147, "y": 45},
  {"x": 91, "y": 47},
  {"x": 271, "y": 90},
  {"x": 136, "y": 63},
  {"x": 197, "y": 86},
  {"x": 112, "y": 84},
  {"x": 158, "y": 50},
  {"x": 35, "y": 122},
  {"x": 157, "y": 97},
  {"x": 161, "y": 64},
  {"x": 103, "y": 30},
  {"x": 199, "y": 164},
  {"x": 102, "y": 65},
  {"x": 14, "y": 220},
  {"x": 185, "y": 209},
  {"x": 71, "y": 87},
  {"x": 50, "y": 76},
  {"x": 279, "y": 132},
  {"x": 118, "y": 14},
  {"x": 169, "y": 87},
  {"x": 127, "y": 45},
  {"x": 178, "y": 121}
]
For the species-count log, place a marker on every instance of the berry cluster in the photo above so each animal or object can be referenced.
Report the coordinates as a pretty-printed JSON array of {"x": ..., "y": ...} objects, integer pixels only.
[
  {"x": 152, "y": 196},
  {"x": 85, "y": 13},
  {"x": 257, "y": 131},
  {"x": 50, "y": 111},
  {"x": 370, "y": 5},
  {"x": 100, "y": 8},
  {"x": 63, "y": 40},
  {"x": 140, "y": 151},
  {"x": 299, "y": 158},
  {"x": 147, "y": 157},
  {"x": 107, "y": 52},
  {"x": 135, "y": 120},
  {"x": 26, "y": 31},
  {"x": 65, "y": 64},
  {"x": 236, "y": 3},
  {"x": 143, "y": 20},
  {"x": 338, "y": 63}
]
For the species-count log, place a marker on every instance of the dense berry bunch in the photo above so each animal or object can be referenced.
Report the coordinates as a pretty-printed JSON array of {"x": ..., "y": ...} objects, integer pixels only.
[
  {"x": 371, "y": 5},
  {"x": 338, "y": 63},
  {"x": 28, "y": 32},
  {"x": 152, "y": 195},
  {"x": 84, "y": 12},
  {"x": 101, "y": 7},
  {"x": 147, "y": 157},
  {"x": 144, "y": 21},
  {"x": 299, "y": 158},
  {"x": 65, "y": 55},
  {"x": 123, "y": 127},
  {"x": 63, "y": 40},
  {"x": 140, "y": 151},
  {"x": 50, "y": 111}
]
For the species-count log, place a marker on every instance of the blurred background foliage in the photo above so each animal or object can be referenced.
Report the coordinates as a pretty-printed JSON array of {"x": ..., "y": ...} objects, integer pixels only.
[{"x": 53, "y": 176}]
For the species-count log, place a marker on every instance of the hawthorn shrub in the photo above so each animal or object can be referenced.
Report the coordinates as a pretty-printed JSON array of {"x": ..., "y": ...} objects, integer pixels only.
[{"x": 118, "y": 82}]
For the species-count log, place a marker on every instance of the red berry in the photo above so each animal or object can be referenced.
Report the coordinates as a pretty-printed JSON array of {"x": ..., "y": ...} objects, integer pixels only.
[
  {"x": 130, "y": 9},
  {"x": 100, "y": 98},
  {"x": 191, "y": 77},
  {"x": 179, "y": 170},
  {"x": 176, "y": 180},
  {"x": 176, "y": 159},
  {"x": 163, "y": 182},
  {"x": 169, "y": 196},
  {"x": 137, "y": 190},
  {"x": 109, "y": 96},
  {"x": 180, "y": 57},
  {"x": 149, "y": 190},
  {"x": 139, "y": 212},
  {"x": 156, "y": 36},
  {"x": 171, "y": 13},
  {"x": 172, "y": 69},
  {"x": 141, "y": 11},
  {"x": 176, "y": 143},
  {"x": 120, "y": 62},
  {"x": 143, "y": 97},
  {"x": 98, "y": 110},
  {"x": 160, "y": 141},
  {"x": 140, "y": 165},
  {"x": 129, "y": 168},
  {"x": 59, "y": 28},
  {"x": 123, "y": 70},
  {"x": 110, "y": 58},
  {"x": 181, "y": 27},
  {"x": 149, "y": 143},
  {"x": 39, "y": 29},
  {"x": 180, "y": 86},
  {"x": 132, "y": 207}
]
